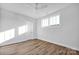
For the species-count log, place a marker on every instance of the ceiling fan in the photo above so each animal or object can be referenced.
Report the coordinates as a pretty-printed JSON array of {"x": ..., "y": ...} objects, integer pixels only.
[
  {"x": 40, "y": 6},
  {"x": 37, "y": 6}
]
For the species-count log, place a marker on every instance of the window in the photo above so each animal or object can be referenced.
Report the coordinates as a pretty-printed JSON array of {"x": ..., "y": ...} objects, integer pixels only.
[
  {"x": 23, "y": 29},
  {"x": 2, "y": 37},
  {"x": 44, "y": 22},
  {"x": 26, "y": 29},
  {"x": 7, "y": 35},
  {"x": 55, "y": 20},
  {"x": 52, "y": 21}
]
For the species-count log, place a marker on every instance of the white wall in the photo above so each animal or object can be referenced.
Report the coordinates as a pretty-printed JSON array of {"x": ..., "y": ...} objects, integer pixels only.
[
  {"x": 10, "y": 20},
  {"x": 67, "y": 33}
]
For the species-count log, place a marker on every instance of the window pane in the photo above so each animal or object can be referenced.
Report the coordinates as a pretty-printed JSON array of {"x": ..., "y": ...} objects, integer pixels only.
[
  {"x": 52, "y": 20},
  {"x": 44, "y": 22},
  {"x": 2, "y": 37},
  {"x": 22, "y": 30},
  {"x": 9, "y": 34},
  {"x": 57, "y": 19},
  {"x": 26, "y": 30},
  {"x": 12, "y": 33}
]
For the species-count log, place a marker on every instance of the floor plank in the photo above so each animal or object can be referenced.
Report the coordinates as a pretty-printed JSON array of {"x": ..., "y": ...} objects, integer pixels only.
[{"x": 36, "y": 47}]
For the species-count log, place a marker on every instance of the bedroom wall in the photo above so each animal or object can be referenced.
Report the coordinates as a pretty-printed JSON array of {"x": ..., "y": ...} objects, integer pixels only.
[
  {"x": 11, "y": 20},
  {"x": 65, "y": 34}
]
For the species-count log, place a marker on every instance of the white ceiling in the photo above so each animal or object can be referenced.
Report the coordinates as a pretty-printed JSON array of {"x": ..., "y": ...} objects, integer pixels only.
[{"x": 29, "y": 8}]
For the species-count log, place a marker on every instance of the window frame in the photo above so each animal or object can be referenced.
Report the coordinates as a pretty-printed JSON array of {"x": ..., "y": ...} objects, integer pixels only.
[
  {"x": 26, "y": 29},
  {"x": 55, "y": 21}
]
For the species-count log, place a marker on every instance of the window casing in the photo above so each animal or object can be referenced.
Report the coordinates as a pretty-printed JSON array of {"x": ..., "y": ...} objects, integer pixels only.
[{"x": 53, "y": 20}]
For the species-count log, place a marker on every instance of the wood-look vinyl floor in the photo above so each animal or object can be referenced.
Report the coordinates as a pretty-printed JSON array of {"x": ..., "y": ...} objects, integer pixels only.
[{"x": 36, "y": 47}]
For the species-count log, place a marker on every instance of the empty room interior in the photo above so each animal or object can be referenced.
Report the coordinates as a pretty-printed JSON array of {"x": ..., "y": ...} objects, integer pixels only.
[{"x": 39, "y": 28}]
